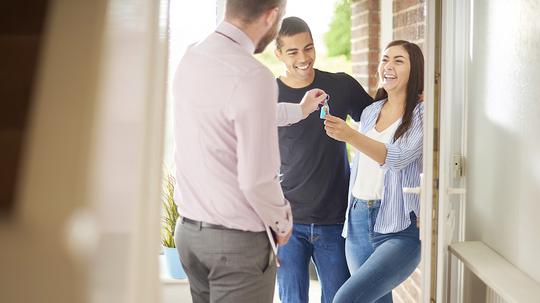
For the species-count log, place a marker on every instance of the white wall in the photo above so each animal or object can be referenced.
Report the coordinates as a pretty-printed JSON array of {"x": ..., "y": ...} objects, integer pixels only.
[{"x": 504, "y": 131}]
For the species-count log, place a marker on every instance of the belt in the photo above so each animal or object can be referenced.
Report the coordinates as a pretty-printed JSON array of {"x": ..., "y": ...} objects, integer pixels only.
[
  {"x": 201, "y": 224},
  {"x": 369, "y": 203}
]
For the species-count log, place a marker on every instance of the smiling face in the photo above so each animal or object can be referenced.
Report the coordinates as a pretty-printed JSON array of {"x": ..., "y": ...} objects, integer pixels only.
[
  {"x": 394, "y": 69},
  {"x": 297, "y": 52}
]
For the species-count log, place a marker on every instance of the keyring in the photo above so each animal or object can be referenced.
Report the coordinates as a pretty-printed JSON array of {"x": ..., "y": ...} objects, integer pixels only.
[{"x": 325, "y": 109}]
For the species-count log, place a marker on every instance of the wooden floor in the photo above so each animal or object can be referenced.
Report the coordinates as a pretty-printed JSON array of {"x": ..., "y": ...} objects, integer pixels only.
[{"x": 178, "y": 292}]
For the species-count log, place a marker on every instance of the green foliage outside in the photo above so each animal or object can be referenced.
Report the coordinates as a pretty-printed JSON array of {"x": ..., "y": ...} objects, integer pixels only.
[
  {"x": 169, "y": 212},
  {"x": 338, "y": 37}
]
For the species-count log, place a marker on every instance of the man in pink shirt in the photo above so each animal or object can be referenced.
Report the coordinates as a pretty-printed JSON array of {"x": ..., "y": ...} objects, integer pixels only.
[{"x": 227, "y": 157}]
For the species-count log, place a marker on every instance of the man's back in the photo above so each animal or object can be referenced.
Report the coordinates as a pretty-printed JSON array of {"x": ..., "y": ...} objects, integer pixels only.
[
  {"x": 227, "y": 159},
  {"x": 226, "y": 134}
]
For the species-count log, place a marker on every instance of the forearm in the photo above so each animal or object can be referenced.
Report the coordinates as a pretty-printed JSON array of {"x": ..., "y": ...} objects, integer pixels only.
[
  {"x": 288, "y": 113},
  {"x": 273, "y": 209},
  {"x": 371, "y": 148}
]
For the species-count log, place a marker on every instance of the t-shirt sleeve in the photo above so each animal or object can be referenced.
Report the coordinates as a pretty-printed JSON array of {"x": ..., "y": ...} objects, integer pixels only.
[{"x": 358, "y": 98}]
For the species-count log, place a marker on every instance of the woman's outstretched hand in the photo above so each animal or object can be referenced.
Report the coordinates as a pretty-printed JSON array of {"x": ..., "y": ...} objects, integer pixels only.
[{"x": 336, "y": 128}]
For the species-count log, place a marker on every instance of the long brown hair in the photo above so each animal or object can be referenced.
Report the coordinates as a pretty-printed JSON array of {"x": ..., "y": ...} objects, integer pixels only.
[{"x": 415, "y": 85}]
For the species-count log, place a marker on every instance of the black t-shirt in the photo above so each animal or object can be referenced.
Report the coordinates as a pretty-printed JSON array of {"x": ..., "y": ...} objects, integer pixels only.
[{"x": 314, "y": 167}]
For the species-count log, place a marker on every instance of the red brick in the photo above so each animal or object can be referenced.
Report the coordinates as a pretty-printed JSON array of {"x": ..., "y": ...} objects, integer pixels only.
[
  {"x": 359, "y": 45},
  {"x": 360, "y": 19},
  {"x": 409, "y": 33},
  {"x": 374, "y": 30},
  {"x": 360, "y": 32},
  {"x": 399, "y": 5},
  {"x": 375, "y": 18},
  {"x": 365, "y": 44},
  {"x": 359, "y": 57},
  {"x": 373, "y": 5},
  {"x": 409, "y": 17},
  {"x": 369, "y": 5},
  {"x": 361, "y": 69},
  {"x": 358, "y": 7}
]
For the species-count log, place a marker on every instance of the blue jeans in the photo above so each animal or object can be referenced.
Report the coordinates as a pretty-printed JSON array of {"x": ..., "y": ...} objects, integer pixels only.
[
  {"x": 378, "y": 262},
  {"x": 325, "y": 245}
]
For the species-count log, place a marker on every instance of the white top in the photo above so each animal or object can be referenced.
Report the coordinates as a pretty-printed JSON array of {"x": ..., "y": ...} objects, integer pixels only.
[{"x": 370, "y": 175}]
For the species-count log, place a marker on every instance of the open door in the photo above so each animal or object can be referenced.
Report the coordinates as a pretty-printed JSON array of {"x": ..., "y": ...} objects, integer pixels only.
[
  {"x": 443, "y": 192},
  {"x": 453, "y": 149},
  {"x": 429, "y": 180},
  {"x": 85, "y": 222}
]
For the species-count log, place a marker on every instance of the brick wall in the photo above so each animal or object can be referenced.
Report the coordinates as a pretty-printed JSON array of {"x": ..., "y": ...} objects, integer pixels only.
[
  {"x": 408, "y": 24},
  {"x": 409, "y": 20},
  {"x": 365, "y": 22}
]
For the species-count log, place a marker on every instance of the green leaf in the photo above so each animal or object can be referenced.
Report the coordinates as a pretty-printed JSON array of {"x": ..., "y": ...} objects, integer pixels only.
[
  {"x": 169, "y": 212},
  {"x": 338, "y": 37}
]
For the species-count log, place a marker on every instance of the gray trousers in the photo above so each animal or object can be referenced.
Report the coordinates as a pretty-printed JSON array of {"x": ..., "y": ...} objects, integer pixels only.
[{"x": 226, "y": 265}]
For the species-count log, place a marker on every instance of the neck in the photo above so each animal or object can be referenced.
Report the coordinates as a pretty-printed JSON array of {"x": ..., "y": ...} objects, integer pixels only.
[
  {"x": 296, "y": 82},
  {"x": 248, "y": 29},
  {"x": 397, "y": 99}
]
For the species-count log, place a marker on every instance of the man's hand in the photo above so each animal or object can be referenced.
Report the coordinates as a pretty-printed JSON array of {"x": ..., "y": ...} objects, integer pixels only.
[
  {"x": 311, "y": 101},
  {"x": 281, "y": 239}
]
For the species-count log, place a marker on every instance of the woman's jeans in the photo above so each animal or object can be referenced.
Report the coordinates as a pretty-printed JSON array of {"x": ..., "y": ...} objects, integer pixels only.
[
  {"x": 325, "y": 245},
  {"x": 377, "y": 262}
]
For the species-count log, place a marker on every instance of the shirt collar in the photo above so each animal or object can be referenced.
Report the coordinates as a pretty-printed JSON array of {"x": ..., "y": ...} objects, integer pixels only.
[{"x": 237, "y": 35}]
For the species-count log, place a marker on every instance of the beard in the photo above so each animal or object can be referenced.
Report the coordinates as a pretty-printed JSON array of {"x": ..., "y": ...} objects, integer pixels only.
[{"x": 269, "y": 37}]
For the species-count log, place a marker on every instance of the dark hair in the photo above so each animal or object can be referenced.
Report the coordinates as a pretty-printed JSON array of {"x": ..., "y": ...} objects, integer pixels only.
[
  {"x": 291, "y": 26},
  {"x": 249, "y": 10},
  {"x": 415, "y": 86}
]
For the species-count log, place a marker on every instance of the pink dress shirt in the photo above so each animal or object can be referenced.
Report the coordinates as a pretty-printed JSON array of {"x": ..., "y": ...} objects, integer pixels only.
[{"x": 227, "y": 157}]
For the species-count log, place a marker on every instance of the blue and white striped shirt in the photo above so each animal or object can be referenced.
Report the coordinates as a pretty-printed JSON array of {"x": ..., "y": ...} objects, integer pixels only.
[{"x": 402, "y": 168}]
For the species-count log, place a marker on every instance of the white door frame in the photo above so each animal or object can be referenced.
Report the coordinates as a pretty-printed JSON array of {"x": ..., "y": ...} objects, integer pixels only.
[
  {"x": 426, "y": 205},
  {"x": 127, "y": 151},
  {"x": 453, "y": 140}
]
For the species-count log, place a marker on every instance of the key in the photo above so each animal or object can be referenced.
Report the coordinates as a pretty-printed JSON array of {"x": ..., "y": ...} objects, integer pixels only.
[{"x": 325, "y": 109}]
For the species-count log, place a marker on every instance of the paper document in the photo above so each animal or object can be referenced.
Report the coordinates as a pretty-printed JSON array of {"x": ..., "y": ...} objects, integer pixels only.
[{"x": 272, "y": 240}]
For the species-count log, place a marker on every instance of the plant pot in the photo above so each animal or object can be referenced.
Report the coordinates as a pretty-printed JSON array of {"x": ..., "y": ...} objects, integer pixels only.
[{"x": 173, "y": 265}]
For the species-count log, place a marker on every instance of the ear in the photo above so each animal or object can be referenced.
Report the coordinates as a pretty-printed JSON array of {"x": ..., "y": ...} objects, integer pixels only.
[
  {"x": 271, "y": 15},
  {"x": 278, "y": 53}
]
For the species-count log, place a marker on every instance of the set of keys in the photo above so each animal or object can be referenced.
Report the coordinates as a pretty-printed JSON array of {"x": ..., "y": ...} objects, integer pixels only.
[{"x": 325, "y": 109}]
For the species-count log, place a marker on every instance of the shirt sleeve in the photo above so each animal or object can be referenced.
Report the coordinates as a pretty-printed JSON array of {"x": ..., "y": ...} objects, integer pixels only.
[
  {"x": 359, "y": 99},
  {"x": 254, "y": 115},
  {"x": 288, "y": 113},
  {"x": 409, "y": 146}
]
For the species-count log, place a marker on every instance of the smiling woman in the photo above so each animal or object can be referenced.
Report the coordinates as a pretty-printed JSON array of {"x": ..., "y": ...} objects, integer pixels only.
[{"x": 390, "y": 143}]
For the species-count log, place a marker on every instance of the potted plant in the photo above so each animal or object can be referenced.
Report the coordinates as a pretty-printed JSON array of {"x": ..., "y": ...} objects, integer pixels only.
[{"x": 169, "y": 216}]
